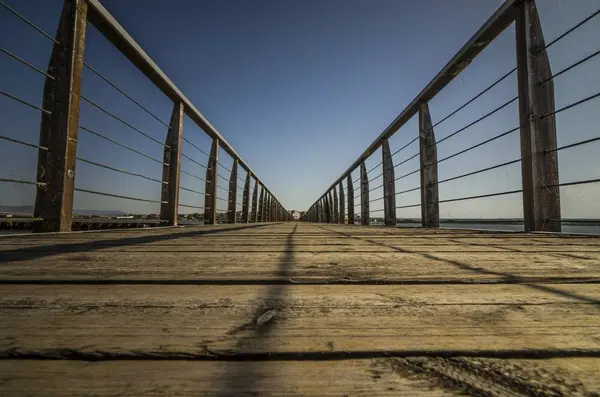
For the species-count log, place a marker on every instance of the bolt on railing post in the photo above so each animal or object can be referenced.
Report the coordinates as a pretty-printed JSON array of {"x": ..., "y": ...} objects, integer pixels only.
[
  {"x": 350, "y": 192},
  {"x": 210, "y": 185},
  {"x": 335, "y": 206},
  {"x": 342, "y": 215},
  {"x": 364, "y": 195},
  {"x": 232, "y": 202},
  {"x": 389, "y": 185},
  {"x": 255, "y": 202},
  {"x": 169, "y": 207},
  {"x": 539, "y": 160},
  {"x": 246, "y": 199},
  {"x": 430, "y": 206},
  {"x": 59, "y": 127}
]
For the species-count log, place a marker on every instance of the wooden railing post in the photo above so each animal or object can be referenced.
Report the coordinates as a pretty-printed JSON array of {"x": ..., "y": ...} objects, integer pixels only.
[
  {"x": 59, "y": 127},
  {"x": 261, "y": 204},
  {"x": 539, "y": 160},
  {"x": 268, "y": 207},
  {"x": 330, "y": 197},
  {"x": 246, "y": 199},
  {"x": 350, "y": 189},
  {"x": 232, "y": 203},
  {"x": 319, "y": 210},
  {"x": 323, "y": 216},
  {"x": 335, "y": 206},
  {"x": 171, "y": 166},
  {"x": 255, "y": 202},
  {"x": 389, "y": 185},
  {"x": 430, "y": 206},
  {"x": 342, "y": 215},
  {"x": 210, "y": 185},
  {"x": 364, "y": 195}
]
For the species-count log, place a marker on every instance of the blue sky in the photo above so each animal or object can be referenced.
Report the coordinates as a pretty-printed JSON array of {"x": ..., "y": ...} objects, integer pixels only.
[{"x": 300, "y": 88}]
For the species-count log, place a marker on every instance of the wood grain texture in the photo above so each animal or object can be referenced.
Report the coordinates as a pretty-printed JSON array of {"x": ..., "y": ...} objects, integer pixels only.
[
  {"x": 370, "y": 310},
  {"x": 209, "y": 319}
]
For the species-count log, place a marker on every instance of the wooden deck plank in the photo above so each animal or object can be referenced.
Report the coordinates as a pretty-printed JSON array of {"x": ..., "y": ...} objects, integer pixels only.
[
  {"x": 176, "y": 378},
  {"x": 202, "y": 293},
  {"x": 331, "y": 267},
  {"x": 207, "y": 319},
  {"x": 373, "y": 377}
]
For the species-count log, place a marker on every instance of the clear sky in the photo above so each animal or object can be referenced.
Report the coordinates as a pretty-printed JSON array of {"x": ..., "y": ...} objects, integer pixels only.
[{"x": 299, "y": 89}]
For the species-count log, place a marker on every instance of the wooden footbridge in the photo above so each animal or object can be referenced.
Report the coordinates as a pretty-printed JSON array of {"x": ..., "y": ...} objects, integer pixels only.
[{"x": 252, "y": 303}]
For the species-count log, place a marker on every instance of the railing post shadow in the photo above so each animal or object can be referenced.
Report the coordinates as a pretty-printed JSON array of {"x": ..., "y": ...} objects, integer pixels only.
[
  {"x": 232, "y": 201},
  {"x": 389, "y": 185},
  {"x": 430, "y": 206},
  {"x": 171, "y": 166},
  {"x": 210, "y": 186},
  {"x": 350, "y": 189},
  {"x": 364, "y": 195},
  {"x": 59, "y": 127},
  {"x": 539, "y": 160},
  {"x": 342, "y": 214}
]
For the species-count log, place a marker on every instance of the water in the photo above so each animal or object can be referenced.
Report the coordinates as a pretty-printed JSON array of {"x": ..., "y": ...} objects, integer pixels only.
[{"x": 512, "y": 227}]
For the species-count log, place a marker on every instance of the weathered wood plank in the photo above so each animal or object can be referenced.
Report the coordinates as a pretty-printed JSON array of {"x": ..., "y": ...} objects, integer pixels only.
[
  {"x": 59, "y": 128},
  {"x": 171, "y": 165},
  {"x": 539, "y": 159},
  {"x": 430, "y": 206},
  {"x": 389, "y": 184},
  {"x": 417, "y": 376},
  {"x": 176, "y": 378},
  {"x": 300, "y": 266},
  {"x": 231, "y": 204},
  {"x": 211, "y": 319},
  {"x": 364, "y": 195},
  {"x": 210, "y": 186}
]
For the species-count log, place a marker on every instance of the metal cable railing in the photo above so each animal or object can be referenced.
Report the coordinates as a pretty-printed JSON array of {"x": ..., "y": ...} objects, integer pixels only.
[
  {"x": 22, "y": 181},
  {"x": 485, "y": 116},
  {"x": 18, "y": 141},
  {"x": 136, "y": 174},
  {"x": 194, "y": 146},
  {"x": 28, "y": 22},
  {"x": 571, "y": 30},
  {"x": 122, "y": 145},
  {"x": 527, "y": 87},
  {"x": 97, "y": 73},
  {"x": 187, "y": 189},
  {"x": 193, "y": 161},
  {"x": 24, "y": 62},
  {"x": 103, "y": 110},
  {"x": 56, "y": 75},
  {"x": 193, "y": 176},
  {"x": 24, "y": 102},
  {"x": 487, "y": 89},
  {"x": 405, "y": 146},
  {"x": 118, "y": 196}
]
